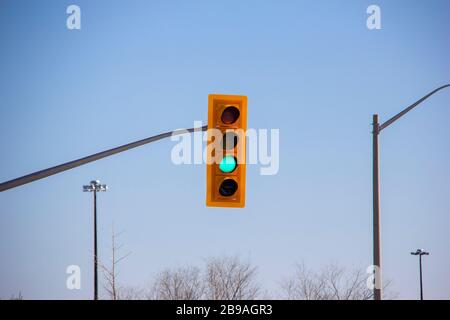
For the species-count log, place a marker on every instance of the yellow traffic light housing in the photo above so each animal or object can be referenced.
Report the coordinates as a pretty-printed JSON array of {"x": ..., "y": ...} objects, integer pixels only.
[{"x": 226, "y": 151}]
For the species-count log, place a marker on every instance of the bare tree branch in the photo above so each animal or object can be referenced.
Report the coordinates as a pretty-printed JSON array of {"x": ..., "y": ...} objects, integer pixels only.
[
  {"x": 330, "y": 283},
  {"x": 178, "y": 284},
  {"x": 228, "y": 278},
  {"x": 110, "y": 272}
]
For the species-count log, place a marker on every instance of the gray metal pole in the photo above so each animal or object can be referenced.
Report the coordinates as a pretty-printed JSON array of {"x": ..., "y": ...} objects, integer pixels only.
[
  {"x": 95, "y": 248},
  {"x": 76, "y": 163},
  {"x": 376, "y": 211},
  {"x": 377, "y": 128},
  {"x": 420, "y": 268}
]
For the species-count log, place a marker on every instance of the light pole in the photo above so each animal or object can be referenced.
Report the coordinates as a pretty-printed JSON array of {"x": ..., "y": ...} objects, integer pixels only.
[
  {"x": 420, "y": 253},
  {"x": 377, "y": 128},
  {"x": 95, "y": 187}
]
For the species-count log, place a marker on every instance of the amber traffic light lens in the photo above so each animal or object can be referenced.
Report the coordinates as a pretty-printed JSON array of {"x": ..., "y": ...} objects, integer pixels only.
[
  {"x": 230, "y": 115},
  {"x": 228, "y": 187},
  {"x": 230, "y": 140}
]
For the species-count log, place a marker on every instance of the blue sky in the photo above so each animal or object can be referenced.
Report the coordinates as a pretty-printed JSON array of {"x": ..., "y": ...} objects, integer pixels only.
[{"x": 309, "y": 68}]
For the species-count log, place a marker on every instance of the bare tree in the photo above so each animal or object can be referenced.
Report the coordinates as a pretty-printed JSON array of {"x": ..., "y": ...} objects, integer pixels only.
[
  {"x": 331, "y": 283},
  {"x": 304, "y": 285},
  {"x": 110, "y": 272},
  {"x": 224, "y": 278},
  {"x": 178, "y": 284},
  {"x": 228, "y": 278}
]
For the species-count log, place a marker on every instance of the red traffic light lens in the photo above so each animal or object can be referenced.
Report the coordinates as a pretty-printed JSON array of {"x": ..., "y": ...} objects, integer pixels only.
[
  {"x": 230, "y": 115},
  {"x": 228, "y": 187}
]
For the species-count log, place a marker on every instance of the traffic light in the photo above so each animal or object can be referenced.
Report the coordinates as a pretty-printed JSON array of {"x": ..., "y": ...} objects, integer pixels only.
[{"x": 226, "y": 151}]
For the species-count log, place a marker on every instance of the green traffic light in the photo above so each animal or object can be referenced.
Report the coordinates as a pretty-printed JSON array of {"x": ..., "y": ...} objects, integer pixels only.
[{"x": 228, "y": 164}]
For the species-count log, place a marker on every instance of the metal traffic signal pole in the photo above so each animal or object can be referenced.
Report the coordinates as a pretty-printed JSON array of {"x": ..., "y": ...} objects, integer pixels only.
[
  {"x": 377, "y": 128},
  {"x": 79, "y": 162}
]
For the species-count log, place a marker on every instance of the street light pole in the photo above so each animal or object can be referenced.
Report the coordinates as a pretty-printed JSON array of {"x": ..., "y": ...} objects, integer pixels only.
[
  {"x": 420, "y": 253},
  {"x": 95, "y": 248},
  {"x": 421, "y": 282},
  {"x": 376, "y": 211},
  {"x": 377, "y": 128},
  {"x": 95, "y": 187}
]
